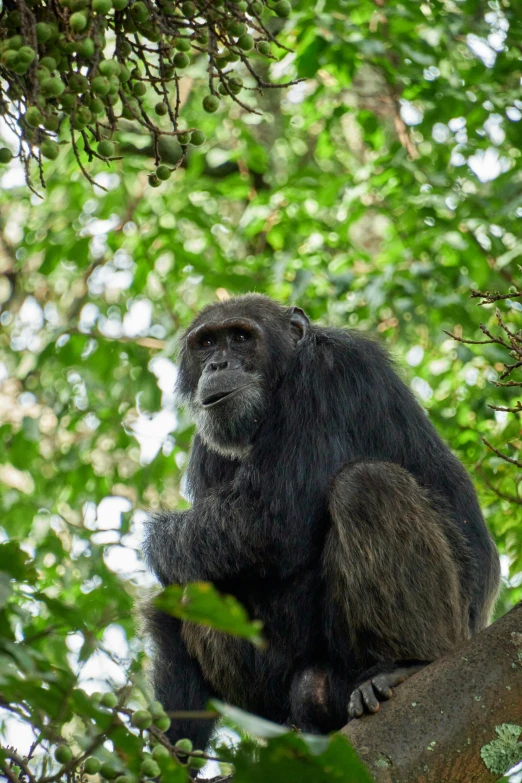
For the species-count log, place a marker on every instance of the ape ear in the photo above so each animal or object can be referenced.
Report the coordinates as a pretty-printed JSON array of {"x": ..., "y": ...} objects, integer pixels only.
[{"x": 299, "y": 323}]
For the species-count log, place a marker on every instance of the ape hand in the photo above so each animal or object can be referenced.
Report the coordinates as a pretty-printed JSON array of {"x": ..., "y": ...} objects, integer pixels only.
[{"x": 366, "y": 697}]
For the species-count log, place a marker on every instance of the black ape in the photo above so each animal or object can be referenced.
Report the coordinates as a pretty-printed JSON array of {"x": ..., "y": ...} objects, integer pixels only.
[{"x": 324, "y": 500}]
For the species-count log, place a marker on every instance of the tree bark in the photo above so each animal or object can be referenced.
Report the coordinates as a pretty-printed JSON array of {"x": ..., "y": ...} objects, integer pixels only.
[{"x": 433, "y": 729}]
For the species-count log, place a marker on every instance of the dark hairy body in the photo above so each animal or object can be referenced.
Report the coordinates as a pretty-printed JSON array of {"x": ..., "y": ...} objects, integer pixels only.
[{"x": 324, "y": 500}]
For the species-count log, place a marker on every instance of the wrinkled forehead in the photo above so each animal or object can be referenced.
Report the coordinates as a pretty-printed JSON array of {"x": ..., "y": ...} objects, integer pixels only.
[{"x": 251, "y": 314}]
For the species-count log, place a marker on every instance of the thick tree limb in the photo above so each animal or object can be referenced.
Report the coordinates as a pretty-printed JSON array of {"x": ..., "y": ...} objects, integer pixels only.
[{"x": 437, "y": 722}]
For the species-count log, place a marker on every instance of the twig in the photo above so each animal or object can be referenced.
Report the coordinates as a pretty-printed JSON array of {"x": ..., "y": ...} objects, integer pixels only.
[{"x": 501, "y": 455}]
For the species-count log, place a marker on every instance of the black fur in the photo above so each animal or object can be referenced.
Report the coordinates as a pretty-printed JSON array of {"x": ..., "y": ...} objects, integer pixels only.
[{"x": 282, "y": 527}]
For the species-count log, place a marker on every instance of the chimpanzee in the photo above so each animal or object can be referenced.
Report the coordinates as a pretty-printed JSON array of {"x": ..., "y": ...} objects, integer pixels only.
[{"x": 324, "y": 500}]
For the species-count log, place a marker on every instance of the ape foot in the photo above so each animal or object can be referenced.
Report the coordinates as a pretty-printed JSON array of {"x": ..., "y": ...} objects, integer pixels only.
[{"x": 366, "y": 697}]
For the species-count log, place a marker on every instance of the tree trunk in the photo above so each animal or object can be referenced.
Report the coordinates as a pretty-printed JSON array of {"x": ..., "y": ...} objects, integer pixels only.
[{"x": 438, "y": 721}]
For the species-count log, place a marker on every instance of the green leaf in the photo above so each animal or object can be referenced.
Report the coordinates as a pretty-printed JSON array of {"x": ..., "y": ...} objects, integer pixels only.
[
  {"x": 14, "y": 561},
  {"x": 200, "y": 602}
]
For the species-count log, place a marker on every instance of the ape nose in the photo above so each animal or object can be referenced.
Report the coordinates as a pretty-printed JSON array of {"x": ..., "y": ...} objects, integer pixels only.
[{"x": 222, "y": 365}]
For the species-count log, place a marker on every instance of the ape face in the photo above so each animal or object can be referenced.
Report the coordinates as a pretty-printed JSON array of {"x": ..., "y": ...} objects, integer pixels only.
[
  {"x": 231, "y": 365},
  {"x": 230, "y": 398}
]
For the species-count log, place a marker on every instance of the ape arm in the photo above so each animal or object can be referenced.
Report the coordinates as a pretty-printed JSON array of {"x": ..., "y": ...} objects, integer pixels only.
[{"x": 222, "y": 536}]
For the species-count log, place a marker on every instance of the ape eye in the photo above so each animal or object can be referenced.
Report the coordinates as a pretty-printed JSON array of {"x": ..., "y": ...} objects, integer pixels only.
[
  {"x": 241, "y": 336},
  {"x": 206, "y": 342}
]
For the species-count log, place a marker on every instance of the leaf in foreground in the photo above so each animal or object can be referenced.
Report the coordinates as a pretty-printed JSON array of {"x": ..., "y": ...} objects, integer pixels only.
[{"x": 201, "y": 603}]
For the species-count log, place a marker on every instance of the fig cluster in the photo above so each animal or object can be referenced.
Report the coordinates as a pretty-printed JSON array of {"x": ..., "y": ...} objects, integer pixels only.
[
  {"x": 155, "y": 763},
  {"x": 71, "y": 70}
]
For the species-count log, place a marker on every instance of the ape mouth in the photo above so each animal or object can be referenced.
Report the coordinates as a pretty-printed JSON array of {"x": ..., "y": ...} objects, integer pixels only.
[{"x": 213, "y": 399}]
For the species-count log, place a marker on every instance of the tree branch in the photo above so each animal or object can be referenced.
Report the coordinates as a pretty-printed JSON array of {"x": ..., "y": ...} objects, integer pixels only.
[{"x": 438, "y": 721}]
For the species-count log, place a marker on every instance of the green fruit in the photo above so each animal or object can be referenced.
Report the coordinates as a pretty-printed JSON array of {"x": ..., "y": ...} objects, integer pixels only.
[
  {"x": 283, "y": 8},
  {"x": 106, "y": 150},
  {"x": 202, "y": 37},
  {"x": 160, "y": 753},
  {"x": 51, "y": 122},
  {"x": 161, "y": 109},
  {"x": 149, "y": 768},
  {"x": 127, "y": 114},
  {"x": 256, "y": 7},
  {"x": 156, "y": 709},
  {"x": 114, "y": 85},
  {"x": 163, "y": 173},
  {"x": 142, "y": 719},
  {"x": 63, "y": 753},
  {"x": 50, "y": 149},
  {"x": 42, "y": 73},
  {"x": 124, "y": 74},
  {"x": 184, "y": 138},
  {"x": 96, "y": 106},
  {"x": 100, "y": 85},
  {"x": 52, "y": 86},
  {"x": 245, "y": 42},
  {"x": 197, "y": 138},
  {"x": 33, "y": 117},
  {"x": 154, "y": 182},
  {"x": 109, "y": 699},
  {"x": 512, "y": 289},
  {"x": 20, "y": 67},
  {"x": 139, "y": 89},
  {"x": 125, "y": 48},
  {"x": 66, "y": 46},
  {"x": 241, "y": 5},
  {"x": 14, "y": 20},
  {"x": 196, "y": 762},
  {"x": 222, "y": 90},
  {"x": 182, "y": 44},
  {"x": 109, "y": 770},
  {"x": 82, "y": 118},
  {"x": 92, "y": 765},
  {"x": 43, "y": 32},
  {"x": 122, "y": 779},
  {"x": 181, "y": 60},
  {"x": 236, "y": 28},
  {"x": 235, "y": 84},
  {"x": 188, "y": 9},
  {"x": 111, "y": 99},
  {"x": 102, "y": 6},
  {"x": 210, "y": 103},
  {"x": 263, "y": 47},
  {"x": 139, "y": 11},
  {"x": 10, "y": 58},
  {"x": 119, "y": 5},
  {"x": 78, "y": 21},
  {"x": 163, "y": 722},
  {"x": 109, "y": 68},
  {"x": 78, "y": 83},
  {"x": 49, "y": 63},
  {"x": 15, "y": 42},
  {"x": 85, "y": 48},
  {"x": 5, "y": 155},
  {"x": 183, "y": 745},
  {"x": 67, "y": 101}
]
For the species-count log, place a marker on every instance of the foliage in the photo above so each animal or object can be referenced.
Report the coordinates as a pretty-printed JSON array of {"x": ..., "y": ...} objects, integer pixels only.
[
  {"x": 200, "y": 603},
  {"x": 71, "y": 71},
  {"x": 376, "y": 193}
]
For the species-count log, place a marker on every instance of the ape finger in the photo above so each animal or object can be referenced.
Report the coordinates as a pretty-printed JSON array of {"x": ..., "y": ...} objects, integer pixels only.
[
  {"x": 355, "y": 705},
  {"x": 371, "y": 701},
  {"x": 382, "y": 686}
]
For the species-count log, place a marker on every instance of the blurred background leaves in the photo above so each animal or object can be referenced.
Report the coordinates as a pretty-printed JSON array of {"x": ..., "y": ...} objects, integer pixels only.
[{"x": 375, "y": 193}]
